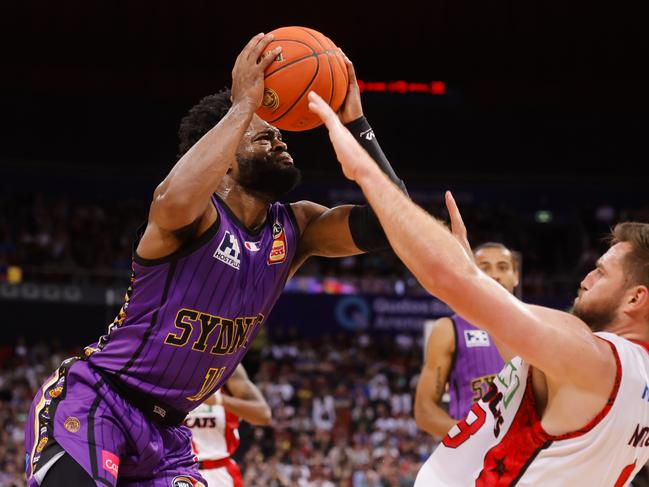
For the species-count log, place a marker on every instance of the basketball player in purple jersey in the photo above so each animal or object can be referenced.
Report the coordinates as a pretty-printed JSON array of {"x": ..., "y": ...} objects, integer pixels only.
[
  {"x": 461, "y": 355},
  {"x": 207, "y": 269}
]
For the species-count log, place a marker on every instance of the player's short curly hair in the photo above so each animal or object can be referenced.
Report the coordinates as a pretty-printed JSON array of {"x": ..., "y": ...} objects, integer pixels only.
[{"x": 201, "y": 118}]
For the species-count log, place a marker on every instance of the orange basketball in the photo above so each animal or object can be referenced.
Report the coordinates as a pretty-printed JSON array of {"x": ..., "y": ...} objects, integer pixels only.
[{"x": 309, "y": 61}]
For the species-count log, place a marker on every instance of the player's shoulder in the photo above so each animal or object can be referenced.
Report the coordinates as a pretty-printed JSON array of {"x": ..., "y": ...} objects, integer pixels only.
[
  {"x": 443, "y": 323},
  {"x": 442, "y": 334},
  {"x": 307, "y": 208},
  {"x": 560, "y": 318},
  {"x": 305, "y": 212},
  {"x": 625, "y": 344}
]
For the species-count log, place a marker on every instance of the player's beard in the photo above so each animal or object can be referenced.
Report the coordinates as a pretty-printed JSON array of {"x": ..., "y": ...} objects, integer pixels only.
[
  {"x": 600, "y": 314},
  {"x": 267, "y": 176}
]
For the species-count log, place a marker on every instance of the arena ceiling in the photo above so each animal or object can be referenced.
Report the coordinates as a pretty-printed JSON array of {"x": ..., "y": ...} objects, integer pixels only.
[{"x": 532, "y": 86}]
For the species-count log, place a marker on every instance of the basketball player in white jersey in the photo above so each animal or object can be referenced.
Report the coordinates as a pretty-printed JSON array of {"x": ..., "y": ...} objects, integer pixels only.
[
  {"x": 571, "y": 406},
  {"x": 215, "y": 423}
]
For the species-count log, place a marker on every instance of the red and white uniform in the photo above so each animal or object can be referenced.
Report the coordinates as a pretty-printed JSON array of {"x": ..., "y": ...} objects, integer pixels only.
[
  {"x": 502, "y": 442},
  {"x": 215, "y": 436}
]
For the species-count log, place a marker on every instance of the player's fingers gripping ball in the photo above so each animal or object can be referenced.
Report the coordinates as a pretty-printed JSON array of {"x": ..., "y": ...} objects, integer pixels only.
[{"x": 309, "y": 61}]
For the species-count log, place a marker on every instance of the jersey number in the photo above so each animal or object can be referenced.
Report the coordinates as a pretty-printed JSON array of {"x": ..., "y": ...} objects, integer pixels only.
[
  {"x": 466, "y": 429},
  {"x": 493, "y": 398},
  {"x": 211, "y": 378}
]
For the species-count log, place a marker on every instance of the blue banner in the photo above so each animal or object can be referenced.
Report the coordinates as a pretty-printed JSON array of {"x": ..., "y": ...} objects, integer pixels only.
[{"x": 317, "y": 314}]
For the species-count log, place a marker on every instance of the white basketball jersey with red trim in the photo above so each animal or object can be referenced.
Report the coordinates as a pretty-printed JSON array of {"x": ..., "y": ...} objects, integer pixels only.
[
  {"x": 215, "y": 433},
  {"x": 502, "y": 443}
]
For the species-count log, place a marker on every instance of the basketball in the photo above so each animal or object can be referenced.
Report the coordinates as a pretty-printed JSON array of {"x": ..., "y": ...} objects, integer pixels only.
[{"x": 309, "y": 61}]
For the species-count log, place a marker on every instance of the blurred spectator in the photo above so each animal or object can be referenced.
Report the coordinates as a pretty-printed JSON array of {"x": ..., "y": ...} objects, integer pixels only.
[{"x": 59, "y": 239}]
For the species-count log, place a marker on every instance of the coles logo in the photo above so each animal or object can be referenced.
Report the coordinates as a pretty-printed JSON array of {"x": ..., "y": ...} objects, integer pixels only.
[
  {"x": 184, "y": 481},
  {"x": 110, "y": 462},
  {"x": 278, "y": 249}
]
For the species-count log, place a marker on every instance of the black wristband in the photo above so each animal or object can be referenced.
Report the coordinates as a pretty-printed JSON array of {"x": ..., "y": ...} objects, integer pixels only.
[{"x": 364, "y": 135}]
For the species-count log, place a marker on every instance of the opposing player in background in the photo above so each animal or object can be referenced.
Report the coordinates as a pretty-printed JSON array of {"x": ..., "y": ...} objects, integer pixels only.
[
  {"x": 571, "y": 405},
  {"x": 207, "y": 270},
  {"x": 215, "y": 427},
  {"x": 461, "y": 355}
]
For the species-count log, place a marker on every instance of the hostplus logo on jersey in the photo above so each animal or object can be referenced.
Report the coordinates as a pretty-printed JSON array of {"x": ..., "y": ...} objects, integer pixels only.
[{"x": 228, "y": 251}]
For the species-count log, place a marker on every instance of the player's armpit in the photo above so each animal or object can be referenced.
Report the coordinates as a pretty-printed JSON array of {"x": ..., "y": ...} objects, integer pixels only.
[
  {"x": 429, "y": 415},
  {"x": 324, "y": 232}
]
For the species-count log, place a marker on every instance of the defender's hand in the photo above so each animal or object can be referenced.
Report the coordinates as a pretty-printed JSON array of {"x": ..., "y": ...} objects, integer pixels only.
[
  {"x": 352, "y": 157},
  {"x": 351, "y": 108},
  {"x": 458, "y": 229},
  {"x": 248, "y": 71}
]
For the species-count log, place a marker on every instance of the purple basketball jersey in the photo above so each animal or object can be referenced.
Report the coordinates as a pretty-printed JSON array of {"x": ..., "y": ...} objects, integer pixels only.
[
  {"x": 188, "y": 319},
  {"x": 475, "y": 363}
]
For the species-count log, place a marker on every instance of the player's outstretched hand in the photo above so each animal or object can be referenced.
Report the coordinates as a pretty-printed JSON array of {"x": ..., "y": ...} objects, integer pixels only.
[
  {"x": 248, "y": 70},
  {"x": 351, "y": 108},
  {"x": 458, "y": 229},
  {"x": 352, "y": 157}
]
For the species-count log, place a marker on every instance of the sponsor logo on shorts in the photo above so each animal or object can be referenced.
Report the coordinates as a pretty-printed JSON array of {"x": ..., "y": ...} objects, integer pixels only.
[
  {"x": 159, "y": 411},
  {"x": 88, "y": 351},
  {"x": 41, "y": 444},
  {"x": 110, "y": 462},
  {"x": 56, "y": 392},
  {"x": 72, "y": 424},
  {"x": 184, "y": 481}
]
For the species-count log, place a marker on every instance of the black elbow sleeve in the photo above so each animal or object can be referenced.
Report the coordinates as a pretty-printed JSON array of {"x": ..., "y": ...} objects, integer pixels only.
[{"x": 366, "y": 229}]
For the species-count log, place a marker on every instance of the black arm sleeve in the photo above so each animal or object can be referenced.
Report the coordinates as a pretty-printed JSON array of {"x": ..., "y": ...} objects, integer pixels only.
[
  {"x": 364, "y": 135},
  {"x": 364, "y": 226}
]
